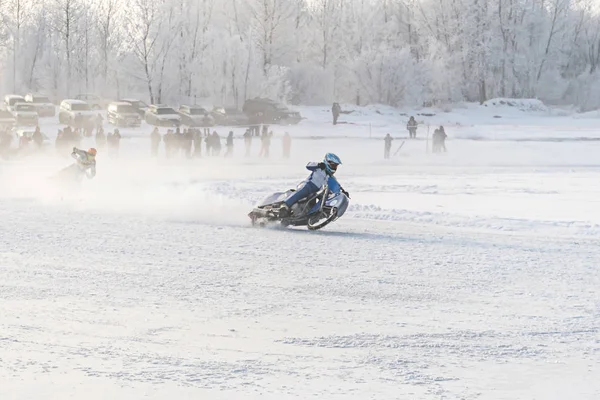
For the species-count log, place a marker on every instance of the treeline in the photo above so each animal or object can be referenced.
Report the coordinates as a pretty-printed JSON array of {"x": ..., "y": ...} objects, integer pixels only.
[{"x": 397, "y": 52}]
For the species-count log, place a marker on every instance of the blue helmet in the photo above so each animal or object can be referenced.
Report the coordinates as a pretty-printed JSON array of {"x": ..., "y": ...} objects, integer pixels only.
[{"x": 331, "y": 162}]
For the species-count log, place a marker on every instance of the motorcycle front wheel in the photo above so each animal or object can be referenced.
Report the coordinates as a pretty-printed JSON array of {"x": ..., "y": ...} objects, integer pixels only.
[{"x": 321, "y": 219}]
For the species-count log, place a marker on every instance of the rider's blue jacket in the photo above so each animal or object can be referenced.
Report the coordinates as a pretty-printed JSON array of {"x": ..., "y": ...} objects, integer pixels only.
[
  {"x": 319, "y": 176},
  {"x": 312, "y": 184}
]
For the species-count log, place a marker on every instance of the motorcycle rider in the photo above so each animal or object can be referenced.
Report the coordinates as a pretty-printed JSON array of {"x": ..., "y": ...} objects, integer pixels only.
[
  {"x": 85, "y": 164},
  {"x": 316, "y": 180},
  {"x": 86, "y": 161}
]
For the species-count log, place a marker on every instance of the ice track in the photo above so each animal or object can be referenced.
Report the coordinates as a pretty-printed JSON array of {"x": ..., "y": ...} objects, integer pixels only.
[
  {"x": 367, "y": 310},
  {"x": 155, "y": 286}
]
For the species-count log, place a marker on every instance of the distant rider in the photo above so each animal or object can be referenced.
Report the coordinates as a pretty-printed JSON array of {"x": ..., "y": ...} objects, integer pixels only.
[
  {"x": 86, "y": 161},
  {"x": 316, "y": 180}
]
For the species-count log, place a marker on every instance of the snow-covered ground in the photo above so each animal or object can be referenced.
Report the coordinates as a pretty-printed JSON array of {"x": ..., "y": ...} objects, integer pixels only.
[{"x": 466, "y": 275}]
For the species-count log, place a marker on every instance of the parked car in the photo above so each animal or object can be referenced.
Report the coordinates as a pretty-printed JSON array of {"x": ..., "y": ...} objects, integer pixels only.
[
  {"x": 11, "y": 99},
  {"x": 25, "y": 114},
  {"x": 7, "y": 120},
  {"x": 162, "y": 115},
  {"x": 121, "y": 113},
  {"x": 74, "y": 112},
  {"x": 96, "y": 102},
  {"x": 42, "y": 104},
  {"x": 139, "y": 106},
  {"x": 195, "y": 116},
  {"x": 229, "y": 116},
  {"x": 265, "y": 111}
]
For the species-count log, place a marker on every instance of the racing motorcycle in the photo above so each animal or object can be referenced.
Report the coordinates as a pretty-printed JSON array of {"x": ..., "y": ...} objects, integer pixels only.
[{"x": 314, "y": 211}]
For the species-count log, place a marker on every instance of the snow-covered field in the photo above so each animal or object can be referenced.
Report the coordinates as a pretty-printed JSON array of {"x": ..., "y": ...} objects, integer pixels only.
[{"x": 466, "y": 275}]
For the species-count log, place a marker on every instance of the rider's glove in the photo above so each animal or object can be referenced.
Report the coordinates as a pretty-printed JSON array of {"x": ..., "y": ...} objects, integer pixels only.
[
  {"x": 321, "y": 165},
  {"x": 346, "y": 193}
]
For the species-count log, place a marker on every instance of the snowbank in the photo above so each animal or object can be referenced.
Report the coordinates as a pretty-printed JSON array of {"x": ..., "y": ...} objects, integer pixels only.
[
  {"x": 496, "y": 119},
  {"x": 588, "y": 115},
  {"x": 526, "y": 105}
]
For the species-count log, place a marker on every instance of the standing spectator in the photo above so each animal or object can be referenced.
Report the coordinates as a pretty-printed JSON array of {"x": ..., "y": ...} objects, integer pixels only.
[
  {"x": 117, "y": 141},
  {"x": 37, "y": 137},
  {"x": 114, "y": 142},
  {"x": 197, "y": 143},
  {"x": 336, "y": 110},
  {"x": 99, "y": 122},
  {"x": 209, "y": 144},
  {"x": 24, "y": 142},
  {"x": 73, "y": 136},
  {"x": 59, "y": 143},
  {"x": 412, "y": 127},
  {"x": 109, "y": 142},
  {"x": 388, "y": 146},
  {"x": 179, "y": 141},
  {"x": 154, "y": 142},
  {"x": 248, "y": 141},
  {"x": 229, "y": 145},
  {"x": 100, "y": 139},
  {"x": 263, "y": 143},
  {"x": 442, "y": 139},
  {"x": 170, "y": 142},
  {"x": 188, "y": 141},
  {"x": 66, "y": 134},
  {"x": 88, "y": 127},
  {"x": 216, "y": 144},
  {"x": 287, "y": 145},
  {"x": 268, "y": 139}
]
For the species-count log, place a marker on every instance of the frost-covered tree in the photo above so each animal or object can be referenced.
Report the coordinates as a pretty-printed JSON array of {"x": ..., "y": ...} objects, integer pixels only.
[
  {"x": 193, "y": 39},
  {"x": 66, "y": 21},
  {"x": 106, "y": 18},
  {"x": 304, "y": 51},
  {"x": 16, "y": 18},
  {"x": 144, "y": 27},
  {"x": 270, "y": 20}
]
